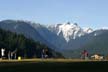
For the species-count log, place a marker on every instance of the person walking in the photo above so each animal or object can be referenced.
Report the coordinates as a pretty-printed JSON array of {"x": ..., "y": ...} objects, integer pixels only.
[{"x": 84, "y": 54}]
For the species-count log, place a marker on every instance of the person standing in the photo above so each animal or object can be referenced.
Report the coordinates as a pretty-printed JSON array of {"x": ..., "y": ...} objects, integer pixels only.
[
  {"x": 9, "y": 55},
  {"x": 2, "y": 53},
  {"x": 84, "y": 55},
  {"x": 44, "y": 53}
]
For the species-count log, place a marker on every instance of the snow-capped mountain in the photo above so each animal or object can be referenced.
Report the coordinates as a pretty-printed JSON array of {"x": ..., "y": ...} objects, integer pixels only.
[
  {"x": 61, "y": 37},
  {"x": 69, "y": 30},
  {"x": 56, "y": 36}
]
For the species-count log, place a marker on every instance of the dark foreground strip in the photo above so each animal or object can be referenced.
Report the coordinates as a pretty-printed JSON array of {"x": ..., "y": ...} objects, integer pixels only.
[{"x": 96, "y": 66}]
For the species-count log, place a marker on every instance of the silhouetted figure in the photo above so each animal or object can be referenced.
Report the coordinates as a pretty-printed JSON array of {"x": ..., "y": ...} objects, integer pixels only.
[
  {"x": 12, "y": 54},
  {"x": 84, "y": 55},
  {"x": 44, "y": 53},
  {"x": 9, "y": 55}
]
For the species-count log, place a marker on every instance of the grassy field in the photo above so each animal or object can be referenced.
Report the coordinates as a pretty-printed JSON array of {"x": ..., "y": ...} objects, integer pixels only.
[{"x": 53, "y": 65}]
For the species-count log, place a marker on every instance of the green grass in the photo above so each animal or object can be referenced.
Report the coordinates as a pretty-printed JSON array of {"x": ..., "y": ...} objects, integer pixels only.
[{"x": 52, "y": 65}]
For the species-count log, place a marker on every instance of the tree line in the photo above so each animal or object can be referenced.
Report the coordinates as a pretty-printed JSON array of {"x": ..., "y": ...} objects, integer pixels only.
[{"x": 27, "y": 48}]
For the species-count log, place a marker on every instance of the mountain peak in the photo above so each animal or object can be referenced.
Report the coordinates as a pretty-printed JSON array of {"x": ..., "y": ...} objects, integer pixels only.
[
  {"x": 67, "y": 30},
  {"x": 88, "y": 30}
]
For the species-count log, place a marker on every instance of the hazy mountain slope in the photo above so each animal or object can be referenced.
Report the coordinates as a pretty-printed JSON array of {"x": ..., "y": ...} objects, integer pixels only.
[
  {"x": 20, "y": 27},
  {"x": 71, "y": 33},
  {"x": 50, "y": 37},
  {"x": 97, "y": 45},
  {"x": 67, "y": 38},
  {"x": 23, "y": 27}
]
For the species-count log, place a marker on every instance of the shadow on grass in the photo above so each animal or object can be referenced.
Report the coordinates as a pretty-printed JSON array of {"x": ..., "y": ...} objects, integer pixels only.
[{"x": 54, "y": 67}]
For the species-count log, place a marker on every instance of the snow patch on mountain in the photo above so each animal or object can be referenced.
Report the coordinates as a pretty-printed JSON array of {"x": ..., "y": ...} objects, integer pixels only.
[
  {"x": 69, "y": 30},
  {"x": 88, "y": 30},
  {"x": 104, "y": 28}
]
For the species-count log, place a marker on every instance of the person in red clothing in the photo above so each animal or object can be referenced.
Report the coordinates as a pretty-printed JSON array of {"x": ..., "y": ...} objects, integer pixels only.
[{"x": 84, "y": 55}]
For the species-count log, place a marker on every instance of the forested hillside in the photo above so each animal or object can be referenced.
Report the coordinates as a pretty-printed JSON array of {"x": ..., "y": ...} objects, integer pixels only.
[{"x": 26, "y": 48}]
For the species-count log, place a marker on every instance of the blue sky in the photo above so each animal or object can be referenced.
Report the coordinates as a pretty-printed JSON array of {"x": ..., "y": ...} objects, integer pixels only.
[{"x": 87, "y": 13}]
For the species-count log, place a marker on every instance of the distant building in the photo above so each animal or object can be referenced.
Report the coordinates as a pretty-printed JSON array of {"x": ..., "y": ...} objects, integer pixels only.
[{"x": 97, "y": 57}]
